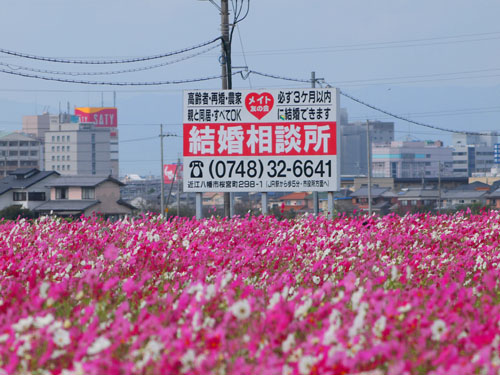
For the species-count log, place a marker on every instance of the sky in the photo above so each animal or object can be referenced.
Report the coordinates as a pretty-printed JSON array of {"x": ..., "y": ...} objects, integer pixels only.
[{"x": 436, "y": 62}]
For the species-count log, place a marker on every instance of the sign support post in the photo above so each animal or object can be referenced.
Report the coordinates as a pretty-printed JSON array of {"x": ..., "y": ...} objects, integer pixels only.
[{"x": 264, "y": 203}]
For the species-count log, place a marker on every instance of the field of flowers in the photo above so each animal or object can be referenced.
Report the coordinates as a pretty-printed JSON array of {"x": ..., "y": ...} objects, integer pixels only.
[{"x": 391, "y": 295}]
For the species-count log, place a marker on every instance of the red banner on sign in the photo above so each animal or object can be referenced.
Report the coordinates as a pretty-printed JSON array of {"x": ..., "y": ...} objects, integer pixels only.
[
  {"x": 169, "y": 173},
  {"x": 261, "y": 139}
]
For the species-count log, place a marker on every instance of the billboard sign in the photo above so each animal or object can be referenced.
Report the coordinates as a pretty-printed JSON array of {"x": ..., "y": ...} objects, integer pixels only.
[
  {"x": 169, "y": 173},
  {"x": 102, "y": 117},
  {"x": 261, "y": 140}
]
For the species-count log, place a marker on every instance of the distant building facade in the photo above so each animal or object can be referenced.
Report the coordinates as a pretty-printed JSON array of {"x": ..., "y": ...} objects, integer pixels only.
[
  {"x": 412, "y": 159},
  {"x": 18, "y": 150},
  {"x": 76, "y": 148},
  {"x": 353, "y": 144},
  {"x": 473, "y": 154}
]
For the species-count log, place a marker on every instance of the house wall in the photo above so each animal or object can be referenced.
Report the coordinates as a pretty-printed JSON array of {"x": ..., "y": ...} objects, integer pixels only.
[
  {"x": 108, "y": 193},
  {"x": 7, "y": 199}
]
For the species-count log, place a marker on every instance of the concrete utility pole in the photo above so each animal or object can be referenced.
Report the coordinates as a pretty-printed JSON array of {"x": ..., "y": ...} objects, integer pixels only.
[
  {"x": 369, "y": 166},
  {"x": 162, "y": 189},
  {"x": 226, "y": 78},
  {"x": 178, "y": 187},
  {"x": 315, "y": 193}
]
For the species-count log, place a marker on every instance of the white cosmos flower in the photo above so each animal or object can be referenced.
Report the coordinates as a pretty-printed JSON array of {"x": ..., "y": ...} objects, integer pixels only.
[
  {"x": 23, "y": 324},
  {"x": 241, "y": 309},
  {"x": 379, "y": 326},
  {"x": 316, "y": 279},
  {"x": 61, "y": 337},
  {"x": 274, "y": 300},
  {"x": 100, "y": 344},
  {"x": 303, "y": 309},
  {"x": 330, "y": 337},
  {"x": 44, "y": 288},
  {"x": 288, "y": 344},
  {"x": 438, "y": 328},
  {"x": 305, "y": 364},
  {"x": 43, "y": 321},
  {"x": 188, "y": 360}
]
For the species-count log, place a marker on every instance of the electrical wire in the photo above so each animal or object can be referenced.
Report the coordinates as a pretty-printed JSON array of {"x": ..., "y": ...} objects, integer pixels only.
[
  {"x": 157, "y": 83},
  {"x": 102, "y": 62},
  {"x": 376, "y": 45},
  {"x": 379, "y": 109},
  {"x": 58, "y": 72}
]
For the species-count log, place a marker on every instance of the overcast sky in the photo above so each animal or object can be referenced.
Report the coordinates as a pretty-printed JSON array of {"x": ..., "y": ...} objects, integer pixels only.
[{"x": 435, "y": 61}]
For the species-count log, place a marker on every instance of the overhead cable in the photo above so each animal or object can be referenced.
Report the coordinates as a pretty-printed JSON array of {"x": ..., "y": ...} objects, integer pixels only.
[
  {"x": 103, "y": 62},
  {"x": 103, "y": 83},
  {"x": 149, "y": 67}
]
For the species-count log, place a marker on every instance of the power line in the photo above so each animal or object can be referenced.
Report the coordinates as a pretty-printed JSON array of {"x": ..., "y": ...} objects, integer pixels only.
[
  {"x": 379, "y": 45},
  {"x": 154, "y": 83},
  {"x": 58, "y": 72},
  {"x": 102, "y": 62},
  {"x": 378, "y": 109},
  {"x": 413, "y": 121}
]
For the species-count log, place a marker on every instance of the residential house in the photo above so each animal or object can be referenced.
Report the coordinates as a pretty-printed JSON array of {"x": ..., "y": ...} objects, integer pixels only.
[
  {"x": 493, "y": 199},
  {"x": 26, "y": 187},
  {"x": 383, "y": 199},
  {"x": 415, "y": 199},
  {"x": 297, "y": 202},
  {"x": 86, "y": 195},
  {"x": 453, "y": 198}
]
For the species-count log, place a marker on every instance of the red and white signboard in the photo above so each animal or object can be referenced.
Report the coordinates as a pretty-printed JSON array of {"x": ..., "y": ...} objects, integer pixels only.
[
  {"x": 169, "y": 173},
  {"x": 273, "y": 140}
]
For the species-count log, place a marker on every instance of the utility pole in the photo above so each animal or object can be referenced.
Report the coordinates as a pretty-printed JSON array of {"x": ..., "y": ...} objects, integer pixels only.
[
  {"x": 178, "y": 187},
  {"x": 162, "y": 189},
  {"x": 226, "y": 77},
  {"x": 369, "y": 166},
  {"x": 439, "y": 188},
  {"x": 315, "y": 193}
]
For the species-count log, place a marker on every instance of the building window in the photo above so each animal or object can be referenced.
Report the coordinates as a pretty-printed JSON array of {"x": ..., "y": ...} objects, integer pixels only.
[
  {"x": 67, "y": 148},
  {"x": 67, "y": 138},
  {"x": 53, "y": 148},
  {"x": 53, "y": 158},
  {"x": 13, "y": 153},
  {"x": 62, "y": 148},
  {"x": 61, "y": 193},
  {"x": 19, "y": 196},
  {"x": 88, "y": 193},
  {"x": 53, "y": 138},
  {"x": 58, "y": 148},
  {"x": 33, "y": 153},
  {"x": 58, "y": 138},
  {"x": 63, "y": 167},
  {"x": 58, "y": 158},
  {"x": 36, "y": 196},
  {"x": 67, "y": 157},
  {"x": 68, "y": 167}
]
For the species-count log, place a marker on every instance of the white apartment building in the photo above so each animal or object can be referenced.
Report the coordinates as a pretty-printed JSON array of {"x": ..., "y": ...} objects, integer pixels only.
[
  {"x": 412, "y": 159},
  {"x": 18, "y": 150},
  {"x": 473, "y": 154},
  {"x": 75, "y": 148}
]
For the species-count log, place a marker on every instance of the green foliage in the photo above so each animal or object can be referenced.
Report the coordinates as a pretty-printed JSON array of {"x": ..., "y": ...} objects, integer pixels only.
[{"x": 16, "y": 211}]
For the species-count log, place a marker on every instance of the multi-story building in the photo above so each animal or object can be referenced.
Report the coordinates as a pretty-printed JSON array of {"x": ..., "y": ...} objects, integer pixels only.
[
  {"x": 412, "y": 159},
  {"x": 473, "y": 154},
  {"x": 37, "y": 125},
  {"x": 76, "y": 148},
  {"x": 18, "y": 150},
  {"x": 104, "y": 117},
  {"x": 353, "y": 144}
]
